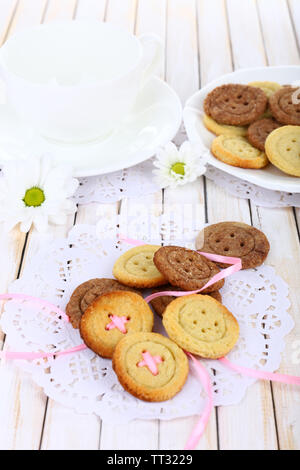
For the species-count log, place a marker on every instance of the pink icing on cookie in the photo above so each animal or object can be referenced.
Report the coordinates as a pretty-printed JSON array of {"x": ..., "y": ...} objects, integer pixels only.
[
  {"x": 150, "y": 362},
  {"x": 117, "y": 322}
]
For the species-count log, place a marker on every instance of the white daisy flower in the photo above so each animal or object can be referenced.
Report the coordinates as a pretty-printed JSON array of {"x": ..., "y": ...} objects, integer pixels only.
[
  {"x": 34, "y": 192},
  {"x": 177, "y": 167}
]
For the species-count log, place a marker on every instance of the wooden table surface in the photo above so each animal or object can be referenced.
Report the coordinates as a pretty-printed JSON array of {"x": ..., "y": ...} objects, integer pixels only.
[{"x": 203, "y": 40}]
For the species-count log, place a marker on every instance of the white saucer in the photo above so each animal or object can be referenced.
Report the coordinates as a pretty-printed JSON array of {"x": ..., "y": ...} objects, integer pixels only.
[
  {"x": 269, "y": 177},
  {"x": 154, "y": 121}
]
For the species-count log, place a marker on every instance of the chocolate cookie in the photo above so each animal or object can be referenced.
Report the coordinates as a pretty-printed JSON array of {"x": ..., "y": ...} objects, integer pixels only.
[
  {"x": 86, "y": 293},
  {"x": 186, "y": 269},
  {"x": 235, "y": 239},
  {"x": 160, "y": 303},
  {"x": 234, "y": 104},
  {"x": 283, "y": 108},
  {"x": 259, "y": 130}
]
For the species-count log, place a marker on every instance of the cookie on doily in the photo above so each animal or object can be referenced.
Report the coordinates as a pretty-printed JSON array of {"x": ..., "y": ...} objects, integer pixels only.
[
  {"x": 186, "y": 269},
  {"x": 112, "y": 316},
  {"x": 150, "y": 366},
  {"x": 234, "y": 239},
  {"x": 201, "y": 325},
  {"x": 135, "y": 267},
  {"x": 86, "y": 293},
  {"x": 159, "y": 304}
]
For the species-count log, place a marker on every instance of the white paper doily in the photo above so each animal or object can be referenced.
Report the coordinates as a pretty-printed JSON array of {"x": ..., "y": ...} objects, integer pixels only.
[
  {"x": 244, "y": 189},
  {"x": 139, "y": 181},
  {"x": 86, "y": 382}
]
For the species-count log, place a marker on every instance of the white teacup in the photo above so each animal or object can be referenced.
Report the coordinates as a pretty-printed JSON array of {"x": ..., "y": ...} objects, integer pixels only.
[{"x": 75, "y": 81}]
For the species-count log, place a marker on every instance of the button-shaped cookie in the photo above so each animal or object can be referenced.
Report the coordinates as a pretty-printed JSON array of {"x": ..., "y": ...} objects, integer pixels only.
[
  {"x": 86, "y": 293},
  {"x": 283, "y": 149},
  {"x": 237, "y": 151},
  {"x": 150, "y": 366},
  {"x": 111, "y": 317},
  {"x": 186, "y": 269},
  {"x": 135, "y": 268},
  {"x": 201, "y": 325},
  {"x": 235, "y": 239}
]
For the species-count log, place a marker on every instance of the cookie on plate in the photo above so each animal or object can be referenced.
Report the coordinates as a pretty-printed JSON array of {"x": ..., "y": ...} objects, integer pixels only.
[
  {"x": 237, "y": 151},
  {"x": 283, "y": 149},
  {"x": 186, "y": 269},
  {"x": 283, "y": 106},
  {"x": 111, "y": 317},
  {"x": 86, "y": 293},
  {"x": 201, "y": 325},
  {"x": 259, "y": 130},
  {"x": 159, "y": 304},
  {"x": 236, "y": 105},
  {"x": 150, "y": 366},
  {"x": 220, "y": 129},
  {"x": 235, "y": 239},
  {"x": 269, "y": 88},
  {"x": 135, "y": 268}
]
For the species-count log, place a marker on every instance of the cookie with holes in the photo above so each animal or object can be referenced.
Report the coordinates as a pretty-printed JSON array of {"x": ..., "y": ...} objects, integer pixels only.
[
  {"x": 135, "y": 267},
  {"x": 201, "y": 325},
  {"x": 160, "y": 304},
  {"x": 285, "y": 105},
  {"x": 86, "y": 293},
  {"x": 237, "y": 151},
  {"x": 236, "y": 105},
  {"x": 186, "y": 269},
  {"x": 150, "y": 366},
  {"x": 235, "y": 239},
  {"x": 111, "y": 317},
  {"x": 283, "y": 149},
  {"x": 258, "y": 132}
]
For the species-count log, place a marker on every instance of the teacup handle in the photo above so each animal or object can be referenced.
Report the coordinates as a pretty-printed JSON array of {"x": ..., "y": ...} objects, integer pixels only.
[{"x": 153, "y": 55}]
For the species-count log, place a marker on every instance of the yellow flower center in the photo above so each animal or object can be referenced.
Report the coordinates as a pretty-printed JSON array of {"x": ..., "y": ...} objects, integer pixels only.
[
  {"x": 178, "y": 168},
  {"x": 34, "y": 197}
]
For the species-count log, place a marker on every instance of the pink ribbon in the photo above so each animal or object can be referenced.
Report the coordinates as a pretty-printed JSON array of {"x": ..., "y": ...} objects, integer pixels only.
[
  {"x": 150, "y": 362},
  {"x": 117, "y": 322},
  {"x": 259, "y": 374},
  {"x": 200, "y": 427}
]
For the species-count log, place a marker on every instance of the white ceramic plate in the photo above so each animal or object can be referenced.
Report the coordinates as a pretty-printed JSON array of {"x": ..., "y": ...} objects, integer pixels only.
[
  {"x": 153, "y": 122},
  {"x": 269, "y": 177}
]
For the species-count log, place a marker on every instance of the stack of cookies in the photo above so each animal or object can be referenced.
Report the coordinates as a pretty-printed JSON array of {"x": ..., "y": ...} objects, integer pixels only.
[
  {"x": 256, "y": 124},
  {"x": 116, "y": 322}
]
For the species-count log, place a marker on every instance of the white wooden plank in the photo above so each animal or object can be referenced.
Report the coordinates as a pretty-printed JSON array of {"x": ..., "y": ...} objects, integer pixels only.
[
  {"x": 7, "y": 8},
  {"x": 246, "y": 38},
  {"x": 22, "y": 404},
  {"x": 214, "y": 45},
  {"x": 122, "y": 13},
  {"x": 60, "y": 10},
  {"x": 182, "y": 73},
  {"x": 28, "y": 13},
  {"x": 295, "y": 13},
  {"x": 221, "y": 206},
  {"x": 278, "y": 32},
  {"x": 279, "y": 225}
]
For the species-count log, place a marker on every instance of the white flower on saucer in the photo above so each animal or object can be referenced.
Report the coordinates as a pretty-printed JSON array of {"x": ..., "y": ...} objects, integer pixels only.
[
  {"x": 177, "y": 167},
  {"x": 35, "y": 192}
]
